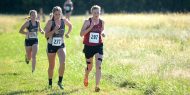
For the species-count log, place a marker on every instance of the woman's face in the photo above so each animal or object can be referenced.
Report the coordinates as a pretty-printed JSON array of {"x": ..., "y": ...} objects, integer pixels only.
[
  {"x": 96, "y": 13},
  {"x": 57, "y": 15},
  {"x": 33, "y": 15}
]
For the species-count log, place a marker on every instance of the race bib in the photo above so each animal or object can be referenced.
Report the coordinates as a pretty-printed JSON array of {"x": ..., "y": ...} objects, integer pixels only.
[
  {"x": 32, "y": 35},
  {"x": 34, "y": 30},
  {"x": 57, "y": 41},
  {"x": 67, "y": 8},
  {"x": 94, "y": 38}
]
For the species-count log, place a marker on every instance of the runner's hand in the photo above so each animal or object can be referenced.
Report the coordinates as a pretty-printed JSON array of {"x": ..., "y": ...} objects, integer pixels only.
[
  {"x": 56, "y": 28},
  {"x": 92, "y": 24},
  {"x": 67, "y": 35},
  {"x": 42, "y": 32},
  {"x": 103, "y": 35}
]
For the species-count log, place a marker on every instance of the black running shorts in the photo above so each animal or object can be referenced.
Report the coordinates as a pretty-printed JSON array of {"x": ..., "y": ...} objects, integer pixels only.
[{"x": 90, "y": 51}]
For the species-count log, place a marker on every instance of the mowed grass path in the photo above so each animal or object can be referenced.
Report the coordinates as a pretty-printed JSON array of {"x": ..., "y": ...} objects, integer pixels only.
[{"x": 144, "y": 54}]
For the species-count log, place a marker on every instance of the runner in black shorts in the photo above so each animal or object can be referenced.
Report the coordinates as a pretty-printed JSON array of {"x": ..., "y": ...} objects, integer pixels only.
[
  {"x": 68, "y": 7},
  {"x": 54, "y": 32},
  {"x": 92, "y": 31},
  {"x": 31, "y": 41},
  {"x": 90, "y": 51}
]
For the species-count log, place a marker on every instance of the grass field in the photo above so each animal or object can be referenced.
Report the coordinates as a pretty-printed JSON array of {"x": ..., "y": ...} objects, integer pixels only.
[{"x": 144, "y": 54}]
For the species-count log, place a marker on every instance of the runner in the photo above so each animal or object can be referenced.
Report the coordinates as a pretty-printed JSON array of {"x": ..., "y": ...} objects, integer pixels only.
[
  {"x": 92, "y": 31},
  {"x": 54, "y": 32},
  {"x": 68, "y": 7},
  {"x": 31, "y": 40}
]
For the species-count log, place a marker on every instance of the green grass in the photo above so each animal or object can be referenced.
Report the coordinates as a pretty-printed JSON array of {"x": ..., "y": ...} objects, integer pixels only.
[{"x": 144, "y": 54}]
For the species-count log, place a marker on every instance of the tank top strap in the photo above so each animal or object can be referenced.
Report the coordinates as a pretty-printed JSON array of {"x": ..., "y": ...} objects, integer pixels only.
[
  {"x": 62, "y": 22},
  {"x": 37, "y": 23},
  {"x": 100, "y": 22},
  {"x": 90, "y": 19},
  {"x": 30, "y": 24},
  {"x": 52, "y": 25}
]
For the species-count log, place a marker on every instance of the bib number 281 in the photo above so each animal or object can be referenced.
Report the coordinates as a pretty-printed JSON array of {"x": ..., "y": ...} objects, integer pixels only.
[
  {"x": 94, "y": 38},
  {"x": 56, "y": 41}
]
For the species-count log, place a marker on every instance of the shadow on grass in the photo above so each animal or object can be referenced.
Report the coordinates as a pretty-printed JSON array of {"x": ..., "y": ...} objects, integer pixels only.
[
  {"x": 23, "y": 61},
  {"x": 128, "y": 84},
  {"x": 65, "y": 92},
  {"x": 148, "y": 91},
  {"x": 10, "y": 74},
  {"x": 46, "y": 90},
  {"x": 22, "y": 92}
]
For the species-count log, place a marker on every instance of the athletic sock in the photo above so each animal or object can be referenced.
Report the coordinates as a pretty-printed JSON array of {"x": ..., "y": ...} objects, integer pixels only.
[
  {"x": 60, "y": 79},
  {"x": 50, "y": 81}
]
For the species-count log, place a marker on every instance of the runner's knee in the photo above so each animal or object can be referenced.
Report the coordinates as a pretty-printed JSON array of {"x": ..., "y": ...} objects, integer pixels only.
[
  {"x": 100, "y": 68},
  {"x": 89, "y": 68},
  {"x": 33, "y": 57}
]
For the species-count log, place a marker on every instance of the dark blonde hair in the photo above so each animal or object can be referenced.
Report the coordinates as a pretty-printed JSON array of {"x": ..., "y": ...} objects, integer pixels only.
[
  {"x": 56, "y": 8},
  {"x": 95, "y": 7},
  {"x": 30, "y": 12}
]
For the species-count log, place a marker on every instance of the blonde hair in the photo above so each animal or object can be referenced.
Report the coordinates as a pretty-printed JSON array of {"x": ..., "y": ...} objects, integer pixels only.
[
  {"x": 56, "y": 8},
  {"x": 51, "y": 15},
  {"x": 95, "y": 7}
]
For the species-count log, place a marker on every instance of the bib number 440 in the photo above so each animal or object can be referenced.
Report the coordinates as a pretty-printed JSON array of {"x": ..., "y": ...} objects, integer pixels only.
[
  {"x": 32, "y": 35},
  {"x": 94, "y": 38}
]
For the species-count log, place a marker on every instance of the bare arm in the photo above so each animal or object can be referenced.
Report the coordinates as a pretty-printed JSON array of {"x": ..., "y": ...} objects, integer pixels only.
[
  {"x": 103, "y": 34},
  {"x": 72, "y": 6},
  {"x": 68, "y": 23},
  {"x": 84, "y": 31},
  {"x": 40, "y": 29},
  {"x": 24, "y": 26}
]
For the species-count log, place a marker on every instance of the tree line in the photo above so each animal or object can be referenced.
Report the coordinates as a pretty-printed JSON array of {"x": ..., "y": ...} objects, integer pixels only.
[{"x": 109, "y": 6}]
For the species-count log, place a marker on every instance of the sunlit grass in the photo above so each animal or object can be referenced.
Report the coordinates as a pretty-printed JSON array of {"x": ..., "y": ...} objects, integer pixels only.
[{"x": 143, "y": 54}]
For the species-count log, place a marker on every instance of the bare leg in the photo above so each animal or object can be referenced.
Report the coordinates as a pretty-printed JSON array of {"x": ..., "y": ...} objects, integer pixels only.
[
  {"x": 68, "y": 15},
  {"x": 89, "y": 67},
  {"x": 87, "y": 70},
  {"x": 98, "y": 69},
  {"x": 51, "y": 59},
  {"x": 34, "y": 52},
  {"x": 61, "y": 54},
  {"x": 28, "y": 52}
]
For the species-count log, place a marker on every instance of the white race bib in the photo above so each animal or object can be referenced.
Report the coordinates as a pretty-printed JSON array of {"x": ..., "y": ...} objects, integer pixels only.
[
  {"x": 67, "y": 8},
  {"x": 57, "y": 41},
  {"x": 94, "y": 38},
  {"x": 32, "y": 35}
]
